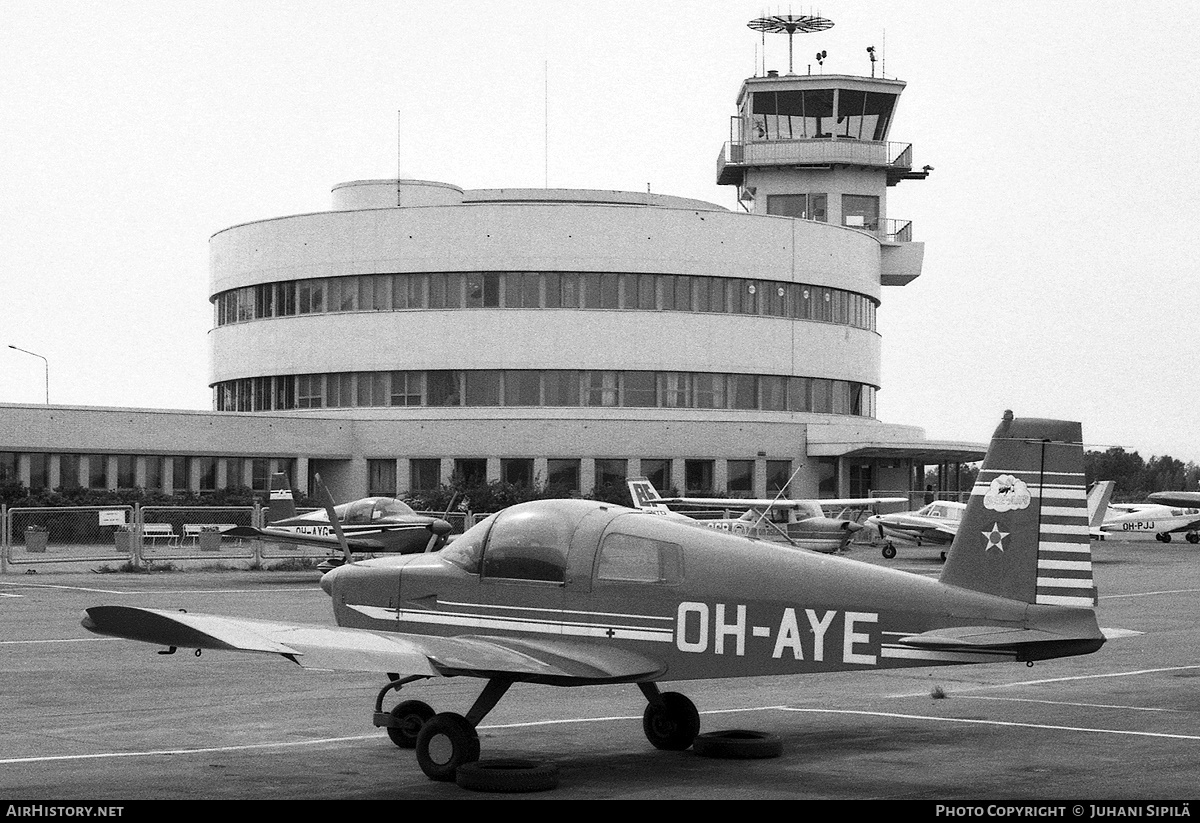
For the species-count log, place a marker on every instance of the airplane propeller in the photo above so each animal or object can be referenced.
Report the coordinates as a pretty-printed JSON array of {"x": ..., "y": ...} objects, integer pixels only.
[{"x": 333, "y": 518}]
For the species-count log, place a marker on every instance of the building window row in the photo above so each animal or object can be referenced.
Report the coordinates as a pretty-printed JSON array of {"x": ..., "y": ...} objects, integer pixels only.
[
  {"x": 548, "y": 388},
  {"x": 160, "y": 473},
  {"x": 548, "y": 290}
]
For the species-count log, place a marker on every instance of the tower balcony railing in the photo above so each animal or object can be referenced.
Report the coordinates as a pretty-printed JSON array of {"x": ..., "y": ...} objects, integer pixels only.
[
  {"x": 889, "y": 229},
  {"x": 736, "y": 155}
]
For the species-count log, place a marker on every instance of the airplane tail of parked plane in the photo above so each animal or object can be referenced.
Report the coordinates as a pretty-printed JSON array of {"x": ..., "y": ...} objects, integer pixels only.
[
  {"x": 281, "y": 505},
  {"x": 1024, "y": 534},
  {"x": 1098, "y": 499},
  {"x": 645, "y": 496}
]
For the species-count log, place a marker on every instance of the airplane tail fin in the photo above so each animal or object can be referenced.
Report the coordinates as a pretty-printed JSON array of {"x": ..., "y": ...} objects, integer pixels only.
[
  {"x": 645, "y": 496},
  {"x": 1097, "y": 500},
  {"x": 281, "y": 505},
  {"x": 1024, "y": 534}
]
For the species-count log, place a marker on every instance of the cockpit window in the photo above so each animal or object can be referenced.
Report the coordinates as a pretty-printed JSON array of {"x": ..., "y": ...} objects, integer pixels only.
[
  {"x": 360, "y": 512},
  {"x": 390, "y": 507},
  {"x": 466, "y": 550},
  {"x": 626, "y": 558},
  {"x": 528, "y": 543}
]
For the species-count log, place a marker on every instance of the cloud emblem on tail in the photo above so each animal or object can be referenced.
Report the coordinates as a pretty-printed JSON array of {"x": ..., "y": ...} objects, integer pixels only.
[{"x": 1007, "y": 493}]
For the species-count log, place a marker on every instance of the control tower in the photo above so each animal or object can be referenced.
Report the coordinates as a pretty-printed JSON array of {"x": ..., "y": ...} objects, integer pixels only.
[{"x": 816, "y": 147}]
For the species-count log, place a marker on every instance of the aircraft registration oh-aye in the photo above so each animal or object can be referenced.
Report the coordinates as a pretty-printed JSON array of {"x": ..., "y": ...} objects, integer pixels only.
[
  {"x": 370, "y": 525},
  {"x": 802, "y": 523},
  {"x": 579, "y": 592},
  {"x": 1168, "y": 513}
]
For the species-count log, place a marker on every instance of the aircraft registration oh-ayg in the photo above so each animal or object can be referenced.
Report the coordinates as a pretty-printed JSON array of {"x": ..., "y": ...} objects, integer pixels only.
[
  {"x": 380, "y": 525},
  {"x": 802, "y": 523},
  {"x": 578, "y": 592}
]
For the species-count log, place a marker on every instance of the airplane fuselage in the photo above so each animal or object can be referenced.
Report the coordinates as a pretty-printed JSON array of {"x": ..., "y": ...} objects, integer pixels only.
[
  {"x": 1153, "y": 520},
  {"x": 702, "y": 603}
]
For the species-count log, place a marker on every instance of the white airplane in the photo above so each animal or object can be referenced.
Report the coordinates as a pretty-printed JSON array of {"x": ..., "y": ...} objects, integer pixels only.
[
  {"x": 1169, "y": 513},
  {"x": 802, "y": 523},
  {"x": 937, "y": 522}
]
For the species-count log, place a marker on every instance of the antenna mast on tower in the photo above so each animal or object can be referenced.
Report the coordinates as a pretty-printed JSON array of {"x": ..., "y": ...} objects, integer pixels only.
[{"x": 790, "y": 23}]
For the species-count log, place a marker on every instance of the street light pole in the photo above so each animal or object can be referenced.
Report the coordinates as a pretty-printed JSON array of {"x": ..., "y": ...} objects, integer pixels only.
[{"x": 46, "y": 362}]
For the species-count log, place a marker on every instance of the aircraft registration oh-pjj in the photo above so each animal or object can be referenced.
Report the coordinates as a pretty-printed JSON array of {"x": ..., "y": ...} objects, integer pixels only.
[{"x": 577, "y": 592}]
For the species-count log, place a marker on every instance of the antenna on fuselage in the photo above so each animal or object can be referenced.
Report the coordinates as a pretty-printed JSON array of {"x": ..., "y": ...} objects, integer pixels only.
[{"x": 327, "y": 501}]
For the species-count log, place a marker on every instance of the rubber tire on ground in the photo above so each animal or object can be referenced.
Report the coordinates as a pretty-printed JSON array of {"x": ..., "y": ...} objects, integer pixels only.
[
  {"x": 889, "y": 552},
  {"x": 673, "y": 725},
  {"x": 1193, "y": 537},
  {"x": 1163, "y": 537},
  {"x": 412, "y": 715},
  {"x": 454, "y": 742},
  {"x": 738, "y": 744},
  {"x": 507, "y": 774}
]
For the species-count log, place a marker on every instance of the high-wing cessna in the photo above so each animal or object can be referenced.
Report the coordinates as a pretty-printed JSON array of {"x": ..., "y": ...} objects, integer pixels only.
[
  {"x": 1168, "y": 513},
  {"x": 802, "y": 523},
  {"x": 579, "y": 592},
  {"x": 370, "y": 525}
]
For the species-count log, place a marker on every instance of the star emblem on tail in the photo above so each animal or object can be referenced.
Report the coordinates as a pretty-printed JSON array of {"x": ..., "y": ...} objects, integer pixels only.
[{"x": 995, "y": 538}]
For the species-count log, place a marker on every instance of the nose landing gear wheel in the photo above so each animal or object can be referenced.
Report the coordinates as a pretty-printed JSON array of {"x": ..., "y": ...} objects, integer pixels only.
[
  {"x": 1193, "y": 537},
  {"x": 672, "y": 724},
  {"x": 446, "y": 742}
]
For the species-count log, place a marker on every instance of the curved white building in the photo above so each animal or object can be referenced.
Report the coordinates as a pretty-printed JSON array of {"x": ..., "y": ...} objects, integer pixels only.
[{"x": 418, "y": 331}]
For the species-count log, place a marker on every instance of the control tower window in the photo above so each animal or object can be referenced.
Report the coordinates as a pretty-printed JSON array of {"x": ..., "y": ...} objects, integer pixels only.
[
  {"x": 863, "y": 115},
  {"x": 791, "y": 115},
  {"x": 804, "y": 206}
]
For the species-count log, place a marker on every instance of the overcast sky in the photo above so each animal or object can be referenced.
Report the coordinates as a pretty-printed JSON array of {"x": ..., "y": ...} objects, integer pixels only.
[{"x": 1057, "y": 280}]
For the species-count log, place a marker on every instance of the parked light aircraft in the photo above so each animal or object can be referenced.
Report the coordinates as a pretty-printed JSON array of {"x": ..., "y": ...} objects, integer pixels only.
[
  {"x": 579, "y": 592},
  {"x": 1169, "y": 513},
  {"x": 802, "y": 523},
  {"x": 371, "y": 525},
  {"x": 938, "y": 522}
]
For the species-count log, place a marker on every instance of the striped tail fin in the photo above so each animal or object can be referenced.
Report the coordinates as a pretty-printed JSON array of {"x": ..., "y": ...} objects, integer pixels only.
[
  {"x": 1024, "y": 534},
  {"x": 280, "y": 505}
]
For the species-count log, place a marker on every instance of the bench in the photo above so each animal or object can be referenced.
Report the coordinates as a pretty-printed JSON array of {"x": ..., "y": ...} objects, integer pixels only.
[{"x": 158, "y": 531}]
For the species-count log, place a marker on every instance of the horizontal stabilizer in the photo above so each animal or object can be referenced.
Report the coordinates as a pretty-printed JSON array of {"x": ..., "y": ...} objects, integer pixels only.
[{"x": 980, "y": 637}]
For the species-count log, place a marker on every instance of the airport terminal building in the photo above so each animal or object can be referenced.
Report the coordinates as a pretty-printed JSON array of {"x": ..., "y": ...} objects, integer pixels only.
[{"x": 418, "y": 331}]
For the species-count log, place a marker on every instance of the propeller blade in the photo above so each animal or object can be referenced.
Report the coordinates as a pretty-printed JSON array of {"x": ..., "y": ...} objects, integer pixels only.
[{"x": 334, "y": 523}]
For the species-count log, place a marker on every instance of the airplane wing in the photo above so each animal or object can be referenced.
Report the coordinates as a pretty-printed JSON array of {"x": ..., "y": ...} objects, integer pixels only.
[
  {"x": 781, "y": 503},
  {"x": 346, "y": 649},
  {"x": 1183, "y": 500},
  {"x": 360, "y": 541}
]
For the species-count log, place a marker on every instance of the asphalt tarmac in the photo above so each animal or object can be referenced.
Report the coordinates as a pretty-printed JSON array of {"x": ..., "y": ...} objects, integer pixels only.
[{"x": 86, "y": 718}]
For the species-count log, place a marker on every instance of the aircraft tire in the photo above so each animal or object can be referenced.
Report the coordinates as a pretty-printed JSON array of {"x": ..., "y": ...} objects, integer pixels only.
[
  {"x": 1193, "y": 537},
  {"x": 507, "y": 774},
  {"x": 738, "y": 744},
  {"x": 445, "y": 743},
  {"x": 409, "y": 716},
  {"x": 1163, "y": 537},
  {"x": 673, "y": 725},
  {"x": 889, "y": 552}
]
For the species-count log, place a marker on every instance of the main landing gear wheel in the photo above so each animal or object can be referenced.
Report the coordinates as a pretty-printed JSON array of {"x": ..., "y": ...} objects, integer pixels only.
[
  {"x": 1193, "y": 537},
  {"x": 738, "y": 744},
  {"x": 445, "y": 743},
  {"x": 406, "y": 720},
  {"x": 507, "y": 775},
  {"x": 1163, "y": 537},
  {"x": 889, "y": 551},
  {"x": 672, "y": 723}
]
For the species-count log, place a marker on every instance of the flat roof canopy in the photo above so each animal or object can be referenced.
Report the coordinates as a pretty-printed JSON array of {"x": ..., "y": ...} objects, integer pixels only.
[{"x": 920, "y": 451}]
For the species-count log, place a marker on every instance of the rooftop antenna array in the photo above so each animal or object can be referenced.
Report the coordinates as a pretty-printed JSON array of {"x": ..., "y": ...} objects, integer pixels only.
[{"x": 789, "y": 23}]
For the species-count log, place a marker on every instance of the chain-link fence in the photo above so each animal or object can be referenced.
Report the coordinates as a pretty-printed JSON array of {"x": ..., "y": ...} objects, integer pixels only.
[{"x": 149, "y": 535}]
